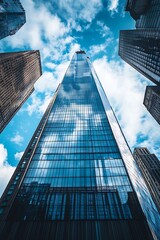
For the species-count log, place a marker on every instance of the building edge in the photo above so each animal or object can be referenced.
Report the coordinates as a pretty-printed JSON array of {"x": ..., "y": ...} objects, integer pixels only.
[
  {"x": 31, "y": 90},
  {"x": 129, "y": 161},
  {"x": 131, "y": 64},
  {"x": 22, "y": 164},
  {"x": 22, "y": 167}
]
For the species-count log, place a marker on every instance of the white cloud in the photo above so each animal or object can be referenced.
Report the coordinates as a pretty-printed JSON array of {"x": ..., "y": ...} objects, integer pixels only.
[
  {"x": 38, "y": 104},
  {"x": 5, "y": 175},
  {"x": 46, "y": 82},
  {"x": 17, "y": 139},
  {"x": 6, "y": 170},
  {"x": 35, "y": 103},
  {"x": 99, "y": 48},
  {"x": 40, "y": 25},
  {"x": 3, "y": 154},
  {"x": 113, "y": 5},
  {"x": 125, "y": 89},
  {"x": 18, "y": 155},
  {"x": 44, "y": 105},
  {"x": 105, "y": 32},
  {"x": 102, "y": 48},
  {"x": 104, "y": 29},
  {"x": 74, "y": 24},
  {"x": 80, "y": 10},
  {"x": 50, "y": 65},
  {"x": 43, "y": 30}
]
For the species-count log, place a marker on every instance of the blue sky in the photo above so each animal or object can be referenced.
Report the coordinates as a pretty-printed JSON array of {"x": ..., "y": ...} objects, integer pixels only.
[{"x": 58, "y": 28}]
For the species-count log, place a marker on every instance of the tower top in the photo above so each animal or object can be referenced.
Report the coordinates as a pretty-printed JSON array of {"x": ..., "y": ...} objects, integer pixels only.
[
  {"x": 80, "y": 52},
  {"x": 136, "y": 7}
]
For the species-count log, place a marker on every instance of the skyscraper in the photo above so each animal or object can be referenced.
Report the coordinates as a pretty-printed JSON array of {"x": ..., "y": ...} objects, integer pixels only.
[
  {"x": 152, "y": 101},
  {"x": 18, "y": 73},
  {"x": 137, "y": 8},
  {"x": 150, "y": 168},
  {"x": 149, "y": 16},
  {"x": 144, "y": 12},
  {"x": 73, "y": 179},
  {"x": 12, "y": 17},
  {"x": 141, "y": 47}
]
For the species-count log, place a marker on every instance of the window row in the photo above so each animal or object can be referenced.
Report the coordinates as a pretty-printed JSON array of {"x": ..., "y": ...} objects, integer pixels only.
[
  {"x": 76, "y": 172},
  {"x": 72, "y": 206},
  {"x": 80, "y": 181},
  {"x": 76, "y": 150},
  {"x": 110, "y": 158},
  {"x": 81, "y": 138},
  {"x": 77, "y": 144},
  {"x": 108, "y": 164}
]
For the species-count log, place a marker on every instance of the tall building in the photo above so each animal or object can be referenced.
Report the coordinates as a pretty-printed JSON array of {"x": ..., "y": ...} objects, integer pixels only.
[
  {"x": 152, "y": 101},
  {"x": 144, "y": 12},
  {"x": 150, "y": 168},
  {"x": 149, "y": 17},
  {"x": 12, "y": 17},
  {"x": 141, "y": 47},
  {"x": 73, "y": 179},
  {"x": 136, "y": 8},
  {"x": 18, "y": 73}
]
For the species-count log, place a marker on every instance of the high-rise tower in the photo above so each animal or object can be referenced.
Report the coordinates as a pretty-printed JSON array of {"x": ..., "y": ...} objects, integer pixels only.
[
  {"x": 150, "y": 167},
  {"x": 72, "y": 181},
  {"x": 141, "y": 47},
  {"x": 18, "y": 73},
  {"x": 152, "y": 101},
  {"x": 12, "y": 17}
]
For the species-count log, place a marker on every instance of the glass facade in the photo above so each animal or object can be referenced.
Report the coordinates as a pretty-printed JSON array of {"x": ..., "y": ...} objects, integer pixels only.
[
  {"x": 73, "y": 174},
  {"x": 151, "y": 17},
  {"x": 18, "y": 73},
  {"x": 152, "y": 101},
  {"x": 137, "y": 8},
  {"x": 149, "y": 166},
  {"x": 141, "y": 49},
  {"x": 12, "y": 17}
]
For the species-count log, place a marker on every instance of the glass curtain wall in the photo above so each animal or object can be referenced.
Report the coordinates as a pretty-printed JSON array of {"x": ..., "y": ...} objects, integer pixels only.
[
  {"x": 77, "y": 159},
  {"x": 76, "y": 172}
]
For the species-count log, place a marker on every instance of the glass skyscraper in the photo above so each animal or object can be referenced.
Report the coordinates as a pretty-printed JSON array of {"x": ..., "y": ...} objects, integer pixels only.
[
  {"x": 152, "y": 101},
  {"x": 74, "y": 179},
  {"x": 137, "y": 8},
  {"x": 149, "y": 17},
  {"x": 18, "y": 73},
  {"x": 150, "y": 168},
  {"x": 140, "y": 47},
  {"x": 12, "y": 17}
]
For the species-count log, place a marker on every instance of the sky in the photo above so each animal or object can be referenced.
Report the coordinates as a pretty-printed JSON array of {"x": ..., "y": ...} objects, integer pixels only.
[{"x": 58, "y": 28}]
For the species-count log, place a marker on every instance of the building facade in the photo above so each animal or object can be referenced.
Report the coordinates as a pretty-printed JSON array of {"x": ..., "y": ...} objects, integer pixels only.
[
  {"x": 12, "y": 17},
  {"x": 140, "y": 47},
  {"x": 150, "y": 168},
  {"x": 137, "y": 8},
  {"x": 144, "y": 12},
  {"x": 18, "y": 73},
  {"x": 74, "y": 179},
  {"x": 150, "y": 17},
  {"x": 152, "y": 101}
]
